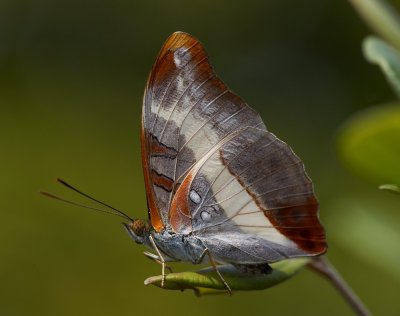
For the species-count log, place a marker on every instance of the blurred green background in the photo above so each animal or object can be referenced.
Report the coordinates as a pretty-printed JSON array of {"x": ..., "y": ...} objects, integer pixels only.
[{"x": 72, "y": 75}]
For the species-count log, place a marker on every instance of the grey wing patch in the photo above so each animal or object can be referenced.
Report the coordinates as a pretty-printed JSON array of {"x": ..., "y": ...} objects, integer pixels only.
[
  {"x": 241, "y": 248},
  {"x": 268, "y": 170}
]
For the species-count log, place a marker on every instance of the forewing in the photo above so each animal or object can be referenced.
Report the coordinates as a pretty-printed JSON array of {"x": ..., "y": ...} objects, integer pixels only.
[
  {"x": 187, "y": 110},
  {"x": 251, "y": 193}
]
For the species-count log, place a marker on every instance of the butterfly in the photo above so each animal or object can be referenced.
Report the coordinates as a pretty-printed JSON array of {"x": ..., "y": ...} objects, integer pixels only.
[
  {"x": 217, "y": 182},
  {"x": 220, "y": 186}
]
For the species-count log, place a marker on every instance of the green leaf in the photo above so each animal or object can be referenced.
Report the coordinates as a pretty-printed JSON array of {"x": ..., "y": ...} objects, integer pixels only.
[
  {"x": 393, "y": 188},
  {"x": 367, "y": 229},
  {"x": 369, "y": 143},
  {"x": 381, "y": 17},
  {"x": 379, "y": 52},
  {"x": 206, "y": 281}
]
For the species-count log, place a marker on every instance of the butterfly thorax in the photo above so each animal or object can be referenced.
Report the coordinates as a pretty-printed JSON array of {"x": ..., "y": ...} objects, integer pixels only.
[
  {"x": 176, "y": 246},
  {"x": 180, "y": 247}
]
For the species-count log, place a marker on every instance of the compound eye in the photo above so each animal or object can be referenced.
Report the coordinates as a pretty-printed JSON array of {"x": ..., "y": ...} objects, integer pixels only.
[{"x": 138, "y": 227}]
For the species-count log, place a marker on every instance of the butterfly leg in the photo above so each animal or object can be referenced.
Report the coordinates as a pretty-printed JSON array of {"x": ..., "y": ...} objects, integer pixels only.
[
  {"x": 161, "y": 260},
  {"x": 156, "y": 259},
  {"x": 214, "y": 265}
]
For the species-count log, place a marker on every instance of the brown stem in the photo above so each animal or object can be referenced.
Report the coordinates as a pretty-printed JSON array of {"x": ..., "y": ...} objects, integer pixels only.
[{"x": 325, "y": 268}]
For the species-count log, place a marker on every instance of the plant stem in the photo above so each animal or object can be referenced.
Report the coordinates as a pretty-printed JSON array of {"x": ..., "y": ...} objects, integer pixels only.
[{"x": 325, "y": 268}]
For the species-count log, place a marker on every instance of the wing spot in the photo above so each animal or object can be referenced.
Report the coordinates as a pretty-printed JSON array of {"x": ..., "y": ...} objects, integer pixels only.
[
  {"x": 205, "y": 216},
  {"x": 178, "y": 55},
  {"x": 195, "y": 197}
]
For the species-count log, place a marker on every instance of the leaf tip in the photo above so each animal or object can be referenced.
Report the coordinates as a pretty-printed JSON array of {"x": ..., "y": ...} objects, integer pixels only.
[{"x": 392, "y": 188}]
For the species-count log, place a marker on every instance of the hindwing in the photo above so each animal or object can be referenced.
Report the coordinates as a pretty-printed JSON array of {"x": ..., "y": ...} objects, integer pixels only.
[{"x": 251, "y": 186}]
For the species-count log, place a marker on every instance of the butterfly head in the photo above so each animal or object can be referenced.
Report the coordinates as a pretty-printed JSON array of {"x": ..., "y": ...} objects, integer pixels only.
[{"x": 138, "y": 230}]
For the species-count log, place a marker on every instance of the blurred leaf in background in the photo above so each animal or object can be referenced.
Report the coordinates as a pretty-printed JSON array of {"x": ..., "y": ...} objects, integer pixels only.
[
  {"x": 382, "y": 18},
  {"x": 378, "y": 52},
  {"x": 390, "y": 187},
  {"x": 369, "y": 142},
  {"x": 369, "y": 232}
]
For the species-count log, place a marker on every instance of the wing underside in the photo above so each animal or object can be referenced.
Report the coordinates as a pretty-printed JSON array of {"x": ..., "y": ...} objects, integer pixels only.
[
  {"x": 187, "y": 110},
  {"x": 251, "y": 189}
]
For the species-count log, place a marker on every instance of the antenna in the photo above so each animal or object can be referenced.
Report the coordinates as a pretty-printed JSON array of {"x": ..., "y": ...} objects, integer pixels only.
[
  {"x": 80, "y": 205},
  {"x": 113, "y": 212}
]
